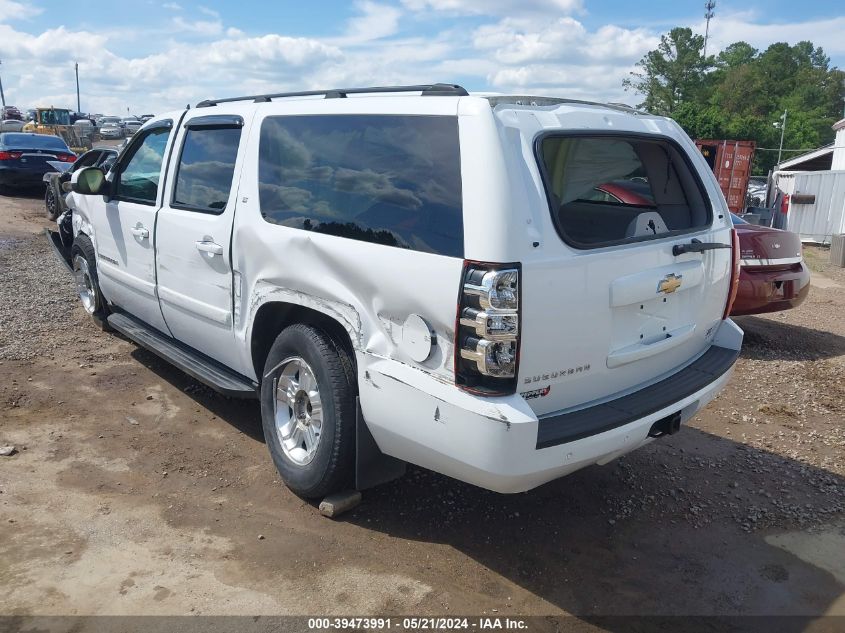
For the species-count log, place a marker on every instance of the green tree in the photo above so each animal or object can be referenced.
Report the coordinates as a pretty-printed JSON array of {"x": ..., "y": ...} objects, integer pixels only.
[
  {"x": 741, "y": 92},
  {"x": 672, "y": 74}
]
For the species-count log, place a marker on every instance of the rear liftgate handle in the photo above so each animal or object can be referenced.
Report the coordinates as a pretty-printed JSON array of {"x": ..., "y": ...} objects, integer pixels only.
[{"x": 697, "y": 246}]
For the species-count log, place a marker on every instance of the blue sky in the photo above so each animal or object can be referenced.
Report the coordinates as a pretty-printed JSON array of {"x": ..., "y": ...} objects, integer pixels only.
[{"x": 151, "y": 55}]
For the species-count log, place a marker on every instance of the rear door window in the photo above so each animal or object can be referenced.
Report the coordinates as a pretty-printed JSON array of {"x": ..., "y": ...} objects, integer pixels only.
[
  {"x": 606, "y": 190},
  {"x": 206, "y": 168},
  {"x": 389, "y": 179}
]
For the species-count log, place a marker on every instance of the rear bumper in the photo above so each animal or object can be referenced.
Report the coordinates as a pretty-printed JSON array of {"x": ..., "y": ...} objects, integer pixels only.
[
  {"x": 761, "y": 291},
  {"x": 499, "y": 444},
  {"x": 22, "y": 177}
]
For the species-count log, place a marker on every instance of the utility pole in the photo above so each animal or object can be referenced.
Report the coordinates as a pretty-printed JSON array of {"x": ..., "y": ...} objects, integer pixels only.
[
  {"x": 709, "y": 13},
  {"x": 2, "y": 96},
  {"x": 782, "y": 125},
  {"x": 78, "y": 106}
]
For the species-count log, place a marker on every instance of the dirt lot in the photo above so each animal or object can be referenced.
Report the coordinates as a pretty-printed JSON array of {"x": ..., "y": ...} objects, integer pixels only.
[{"x": 137, "y": 491}]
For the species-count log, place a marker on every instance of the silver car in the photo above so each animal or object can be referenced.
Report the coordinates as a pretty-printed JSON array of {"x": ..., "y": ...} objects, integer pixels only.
[
  {"x": 110, "y": 127},
  {"x": 130, "y": 126}
]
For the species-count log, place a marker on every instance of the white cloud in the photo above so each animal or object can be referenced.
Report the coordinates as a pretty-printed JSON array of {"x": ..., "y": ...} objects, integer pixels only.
[
  {"x": 172, "y": 6},
  {"x": 201, "y": 27},
  {"x": 375, "y": 22},
  {"x": 179, "y": 74},
  {"x": 728, "y": 28},
  {"x": 11, "y": 10},
  {"x": 527, "y": 47},
  {"x": 497, "y": 7}
]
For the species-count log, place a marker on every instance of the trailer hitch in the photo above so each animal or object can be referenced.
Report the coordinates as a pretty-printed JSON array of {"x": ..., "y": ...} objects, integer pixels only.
[{"x": 666, "y": 426}]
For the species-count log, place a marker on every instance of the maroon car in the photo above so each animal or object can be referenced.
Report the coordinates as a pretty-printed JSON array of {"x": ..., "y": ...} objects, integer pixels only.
[{"x": 773, "y": 275}]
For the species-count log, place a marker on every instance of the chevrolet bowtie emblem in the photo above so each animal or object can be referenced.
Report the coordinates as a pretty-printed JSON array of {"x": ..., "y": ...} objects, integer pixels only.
[{"x": 669, "y": 284}]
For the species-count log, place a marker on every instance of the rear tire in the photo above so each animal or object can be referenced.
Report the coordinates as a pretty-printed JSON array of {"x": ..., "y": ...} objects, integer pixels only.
[
  {"x": 84, "y": 264},
  {"x": 308, "y": 411}
]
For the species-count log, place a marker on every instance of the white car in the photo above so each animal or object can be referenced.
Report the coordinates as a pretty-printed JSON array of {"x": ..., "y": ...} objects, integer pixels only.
[
  {"x": 420, "y": 275},
  {"x": 11, "y": 125}
]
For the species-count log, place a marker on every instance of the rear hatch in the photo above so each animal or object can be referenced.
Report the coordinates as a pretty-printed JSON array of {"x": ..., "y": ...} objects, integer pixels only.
[{"x": 607, "y": 308}]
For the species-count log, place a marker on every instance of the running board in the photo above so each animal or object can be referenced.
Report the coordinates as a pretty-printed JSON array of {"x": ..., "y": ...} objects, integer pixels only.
[{"x": 207, "y": 371}]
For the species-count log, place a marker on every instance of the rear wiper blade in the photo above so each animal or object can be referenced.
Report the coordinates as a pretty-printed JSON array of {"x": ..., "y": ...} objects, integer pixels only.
[{"x": 697, "y": 246}]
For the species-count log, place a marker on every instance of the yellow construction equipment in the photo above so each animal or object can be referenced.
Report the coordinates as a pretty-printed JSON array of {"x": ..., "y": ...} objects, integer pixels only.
[{"x": 56, "y": 121}]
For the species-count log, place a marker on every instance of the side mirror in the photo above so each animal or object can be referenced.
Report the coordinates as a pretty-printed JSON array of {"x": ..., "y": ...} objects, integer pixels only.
[{"x": 88, "y": 181}]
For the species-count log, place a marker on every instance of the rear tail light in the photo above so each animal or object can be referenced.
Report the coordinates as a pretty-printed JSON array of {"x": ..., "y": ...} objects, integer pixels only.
[
  {"x": 487, "y": 328},
  {"x": 784, "y": 204},
  {"x": 10, "y": 155},
  {"x": 67, "y": 158},
  {"x": 734, "y": 287}
]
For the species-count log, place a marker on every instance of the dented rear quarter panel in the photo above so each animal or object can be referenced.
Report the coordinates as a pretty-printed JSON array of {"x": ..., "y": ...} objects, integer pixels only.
[{"x": 370, "y": 289}]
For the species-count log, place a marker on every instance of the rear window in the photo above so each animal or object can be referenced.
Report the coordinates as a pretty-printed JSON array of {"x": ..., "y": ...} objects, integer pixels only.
[
  {"x": 35, "y": 141},
  {"x": 606, "y": 190},
  {"x": 387, "y": 179}
]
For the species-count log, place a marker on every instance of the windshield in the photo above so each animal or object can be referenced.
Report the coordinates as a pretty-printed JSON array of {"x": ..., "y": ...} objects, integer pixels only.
[
  {"x": 34, "y": 141},
  {"x": 55, "y": 117},
  {"x": 108, "y": 121}
]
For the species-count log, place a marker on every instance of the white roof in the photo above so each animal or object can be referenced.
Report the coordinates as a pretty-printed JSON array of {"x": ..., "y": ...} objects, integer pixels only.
[{"x": 797, "y": 160}]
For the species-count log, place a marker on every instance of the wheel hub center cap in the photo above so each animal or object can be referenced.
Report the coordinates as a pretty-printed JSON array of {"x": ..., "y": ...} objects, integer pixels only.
[{"x": 301, "y": 408}]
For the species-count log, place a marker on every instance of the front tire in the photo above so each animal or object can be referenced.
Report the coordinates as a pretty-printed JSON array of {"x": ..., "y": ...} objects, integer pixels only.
[
  {"x": 84, "y": 264},
  {"x": 308, "y": 411},
  {"x": 51, "y": 203}
]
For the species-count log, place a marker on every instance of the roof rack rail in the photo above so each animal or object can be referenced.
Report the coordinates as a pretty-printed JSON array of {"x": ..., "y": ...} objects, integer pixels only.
[{"x": 431, "y": 90}]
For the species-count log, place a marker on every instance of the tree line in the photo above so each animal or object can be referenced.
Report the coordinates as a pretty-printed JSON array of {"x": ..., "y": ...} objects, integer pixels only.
[{"x": 742, "y": 92}]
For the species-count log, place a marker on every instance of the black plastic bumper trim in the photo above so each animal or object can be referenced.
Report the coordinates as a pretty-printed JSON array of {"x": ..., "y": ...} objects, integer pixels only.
[{"x": 568, "y": 427}]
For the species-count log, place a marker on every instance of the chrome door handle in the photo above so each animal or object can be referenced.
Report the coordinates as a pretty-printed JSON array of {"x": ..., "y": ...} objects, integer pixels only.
[
  {"x": 140, "y": 231},
  {"x": 209, "y": 247}
]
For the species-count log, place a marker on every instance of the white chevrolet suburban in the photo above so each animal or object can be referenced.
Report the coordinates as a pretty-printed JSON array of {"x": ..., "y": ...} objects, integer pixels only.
[{"x": 501, "y": 289}]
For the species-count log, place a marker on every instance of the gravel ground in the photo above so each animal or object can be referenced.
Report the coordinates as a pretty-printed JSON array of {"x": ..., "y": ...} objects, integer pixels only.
[
  {"x": 37, "y": 301},
  {"x": 136, "y": 490}
]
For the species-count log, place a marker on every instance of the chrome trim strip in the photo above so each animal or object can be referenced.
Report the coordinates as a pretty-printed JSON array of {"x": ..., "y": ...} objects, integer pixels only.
[{"x": 783, "y": 261}]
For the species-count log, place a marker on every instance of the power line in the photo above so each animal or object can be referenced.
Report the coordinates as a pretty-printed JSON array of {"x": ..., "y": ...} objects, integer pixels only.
[{"x": 806, "y": 149}]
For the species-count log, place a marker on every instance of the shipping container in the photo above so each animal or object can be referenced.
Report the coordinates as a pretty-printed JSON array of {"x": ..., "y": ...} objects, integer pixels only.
[{"x": 731, "y": 162}]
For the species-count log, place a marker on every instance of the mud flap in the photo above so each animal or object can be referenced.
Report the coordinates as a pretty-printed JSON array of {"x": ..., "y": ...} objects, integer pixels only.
[
  {"x": 372, "y": 467},
  {"x": 58, "y": 248}
]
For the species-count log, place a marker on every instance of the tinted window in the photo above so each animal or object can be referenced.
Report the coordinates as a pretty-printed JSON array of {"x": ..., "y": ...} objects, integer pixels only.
[
  {"x": 393, "y": 180},
  {"x": 607, "y": 190},
  {"x": 206, "y": 168},
  {"x": 139, "y": 175}
]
